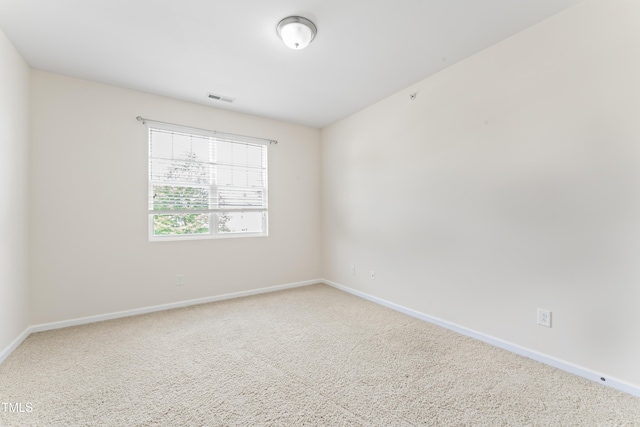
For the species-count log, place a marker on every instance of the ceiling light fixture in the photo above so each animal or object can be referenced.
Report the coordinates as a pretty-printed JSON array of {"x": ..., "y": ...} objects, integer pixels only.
[{"x": 296, "y": 32}]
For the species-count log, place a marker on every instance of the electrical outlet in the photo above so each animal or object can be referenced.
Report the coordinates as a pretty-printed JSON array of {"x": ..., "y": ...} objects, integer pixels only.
[
  {"x": 373, "y": 275},
  {"x": 179, "y": 279},
  {"x": 544, "y": 317},
  {"x": 352, "y": 271}
]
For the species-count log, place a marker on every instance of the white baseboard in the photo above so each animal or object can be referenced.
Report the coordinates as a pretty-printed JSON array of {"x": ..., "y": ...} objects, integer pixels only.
[
  {"x": 531, "y": 354},
  {"x": 14, "y": 344},
  {"x": 126, "y": 313},
  {"x": 179, "y": 304},
  {"x": 514, "y": 348}
]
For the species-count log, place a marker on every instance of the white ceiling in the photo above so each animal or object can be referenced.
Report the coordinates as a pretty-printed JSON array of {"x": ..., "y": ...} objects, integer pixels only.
[{"x": 365, "y": 50}]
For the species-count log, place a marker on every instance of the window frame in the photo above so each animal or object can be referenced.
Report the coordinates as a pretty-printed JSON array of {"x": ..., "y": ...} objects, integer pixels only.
[{"x": 213, "y": 187}]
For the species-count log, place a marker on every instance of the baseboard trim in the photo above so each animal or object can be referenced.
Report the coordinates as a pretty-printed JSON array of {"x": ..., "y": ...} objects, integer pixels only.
[
  {"x": 514, "y": 348},
  {"x": 14, "y": 344},
  {"x": 144, "y": 310}
]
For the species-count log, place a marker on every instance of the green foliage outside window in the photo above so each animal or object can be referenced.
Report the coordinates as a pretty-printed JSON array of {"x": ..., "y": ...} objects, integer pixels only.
[{"x": 185, "y": 197}]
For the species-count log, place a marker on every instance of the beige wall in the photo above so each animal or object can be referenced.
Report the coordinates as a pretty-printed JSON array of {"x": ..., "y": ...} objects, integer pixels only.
[
  {"x": 90, "y": 251},
  {"x": 14, "y": 186},
  {"x": 512, "y": 182}
]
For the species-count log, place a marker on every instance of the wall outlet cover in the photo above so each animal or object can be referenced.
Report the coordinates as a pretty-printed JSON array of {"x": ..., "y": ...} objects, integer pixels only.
[{"x": 544, "y": 317}]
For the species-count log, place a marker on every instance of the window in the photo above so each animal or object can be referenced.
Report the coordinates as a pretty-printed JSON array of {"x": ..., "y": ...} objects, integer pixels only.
[{"x": 203, "y": 184}]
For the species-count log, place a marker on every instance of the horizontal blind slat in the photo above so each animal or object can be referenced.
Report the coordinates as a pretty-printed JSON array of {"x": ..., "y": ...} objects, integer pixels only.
[{"x": 205, "y": 211}]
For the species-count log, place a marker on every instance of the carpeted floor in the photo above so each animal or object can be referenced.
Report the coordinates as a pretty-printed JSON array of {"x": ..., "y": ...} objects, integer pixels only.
[{"x": 311, "y": 356}]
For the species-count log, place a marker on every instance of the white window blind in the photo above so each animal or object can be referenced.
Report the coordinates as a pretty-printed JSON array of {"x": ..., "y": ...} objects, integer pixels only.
[{"x": 202, "y": 184}]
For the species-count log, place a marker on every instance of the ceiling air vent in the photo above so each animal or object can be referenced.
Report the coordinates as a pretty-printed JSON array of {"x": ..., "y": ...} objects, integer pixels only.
[{"x": 220, "y": 97}]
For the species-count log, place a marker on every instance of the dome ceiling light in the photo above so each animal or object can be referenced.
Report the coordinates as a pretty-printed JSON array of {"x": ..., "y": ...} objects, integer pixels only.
[{"x": 296, "y": 32}]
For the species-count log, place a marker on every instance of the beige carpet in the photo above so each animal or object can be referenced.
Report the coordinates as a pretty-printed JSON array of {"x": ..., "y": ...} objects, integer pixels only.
[{"x": 311, "y": 356}]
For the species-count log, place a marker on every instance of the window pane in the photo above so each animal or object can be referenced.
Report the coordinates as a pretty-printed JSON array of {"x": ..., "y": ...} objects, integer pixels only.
[
  {"x": 184, "y": 171},
  {"x": 239, "y": 154},
  {"x": 241, "y": 222},
  {"x": 174, "y": 197},
  {"x": 171, "y": 225},
  {"x": 179, "y": 157},
  {"x": 240, "y": 177},
  {"x": 230, "y": 197}
]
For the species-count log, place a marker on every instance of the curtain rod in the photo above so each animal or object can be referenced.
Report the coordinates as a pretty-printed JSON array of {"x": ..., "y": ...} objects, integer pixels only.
[{"x": 144, "y": 121}]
